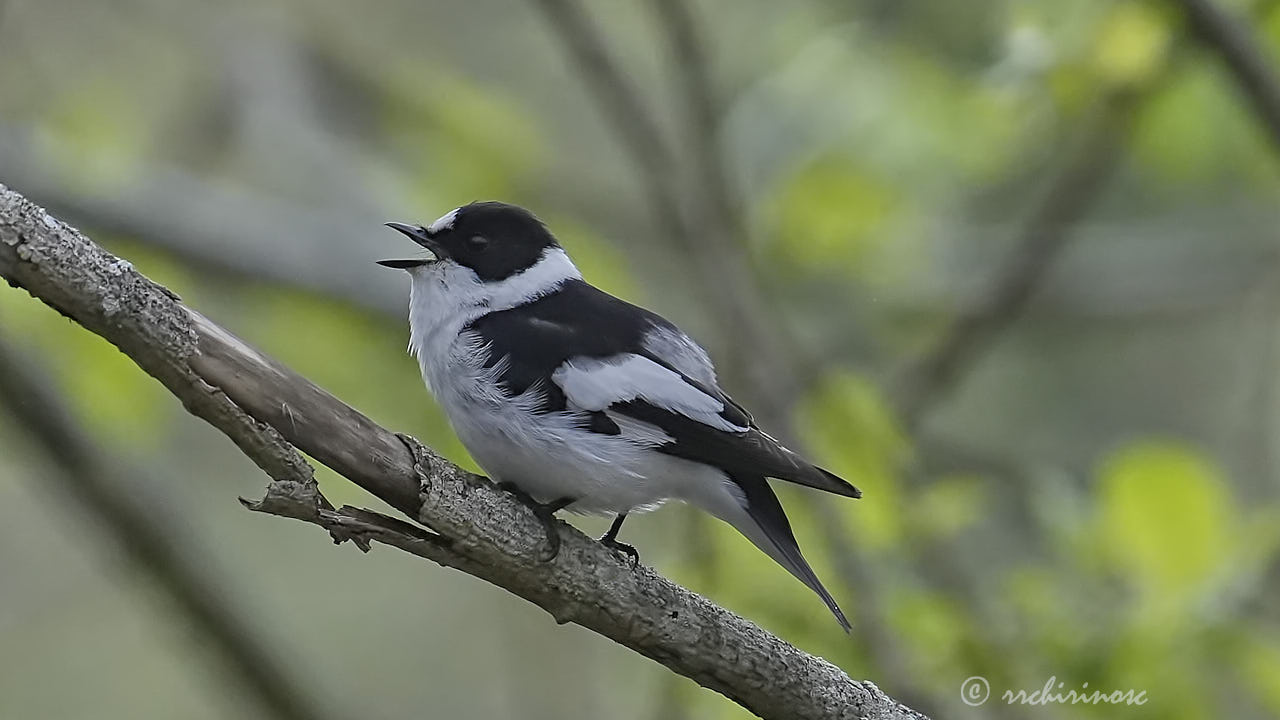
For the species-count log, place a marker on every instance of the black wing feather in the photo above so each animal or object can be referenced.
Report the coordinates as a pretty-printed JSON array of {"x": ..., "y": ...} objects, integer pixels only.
[{"x": 748, "y": 453}]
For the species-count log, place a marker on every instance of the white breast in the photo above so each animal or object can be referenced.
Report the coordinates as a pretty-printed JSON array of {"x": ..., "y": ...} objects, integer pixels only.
[{"x": 445, "y": 296}]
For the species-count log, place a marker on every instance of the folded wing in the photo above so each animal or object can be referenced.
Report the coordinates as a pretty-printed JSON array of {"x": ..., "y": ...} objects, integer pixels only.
[{"x": 702, "y": 423}]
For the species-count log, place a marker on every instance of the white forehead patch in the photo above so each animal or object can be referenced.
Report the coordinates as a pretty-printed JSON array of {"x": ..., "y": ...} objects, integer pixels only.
[{"x": 444, "y": 222}]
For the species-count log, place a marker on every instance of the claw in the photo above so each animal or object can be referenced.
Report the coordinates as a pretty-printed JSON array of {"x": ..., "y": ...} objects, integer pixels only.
[
  {"x": 623, "y": 548},
  {"x": 610, "y": 540}
]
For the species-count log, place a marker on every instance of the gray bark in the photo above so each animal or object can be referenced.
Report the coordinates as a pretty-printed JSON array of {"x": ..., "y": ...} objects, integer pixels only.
[{"x": 272, "y": 414}]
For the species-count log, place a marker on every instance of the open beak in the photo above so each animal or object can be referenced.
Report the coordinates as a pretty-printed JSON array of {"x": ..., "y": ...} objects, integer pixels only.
[{"x": 418, "y": 235}]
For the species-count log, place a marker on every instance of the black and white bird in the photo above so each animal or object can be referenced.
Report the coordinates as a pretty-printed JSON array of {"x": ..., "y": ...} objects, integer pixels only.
[{"x": 577, "y": 400}]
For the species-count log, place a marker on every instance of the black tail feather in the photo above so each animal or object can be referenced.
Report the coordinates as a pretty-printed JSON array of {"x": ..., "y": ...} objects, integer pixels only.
[
  {"x": 839, "y": 485},
  {"x": 763, "y": 507}
]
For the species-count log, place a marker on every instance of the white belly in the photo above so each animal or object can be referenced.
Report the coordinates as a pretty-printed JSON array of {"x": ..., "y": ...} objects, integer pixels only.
[
  {"x": 548, "y": 455},
  {"x": 550, "y": 458}
]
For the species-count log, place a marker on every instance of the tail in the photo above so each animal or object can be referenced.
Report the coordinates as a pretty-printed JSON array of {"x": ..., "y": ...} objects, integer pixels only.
[{"x": 763, "y": 522}]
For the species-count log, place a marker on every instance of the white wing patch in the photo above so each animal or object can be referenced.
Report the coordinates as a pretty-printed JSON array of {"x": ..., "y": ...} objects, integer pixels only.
[
  {"x": 682, "y": 353},
  {"x": 444, "y": 222},
  {"x": 639, "y": 431},
  {"x": 595, "y": 384}
]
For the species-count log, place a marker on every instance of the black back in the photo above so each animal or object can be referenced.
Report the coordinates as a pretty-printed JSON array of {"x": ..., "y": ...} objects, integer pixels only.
[{"x": 577, "y": 320}]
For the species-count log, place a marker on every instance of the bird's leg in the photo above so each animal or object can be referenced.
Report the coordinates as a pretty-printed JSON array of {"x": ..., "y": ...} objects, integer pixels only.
[
  {"x": 610, "y": 540},
  {"x": 545, "y": 512}
]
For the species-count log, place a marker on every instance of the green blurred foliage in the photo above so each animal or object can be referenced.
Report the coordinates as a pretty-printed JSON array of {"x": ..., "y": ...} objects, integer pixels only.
[
  {"x": 481, "y": 140},
  {"x": 950, "y": 505},
  {"x": 830, "y": 216},
  {"x": 1164, "y": 519},
  {"x": 851, "y": 426},
  {"x": 1131, "y": 45}
]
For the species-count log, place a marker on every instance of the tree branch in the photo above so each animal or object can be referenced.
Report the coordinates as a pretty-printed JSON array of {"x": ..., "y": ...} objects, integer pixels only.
[{"x": 271, "y": 413}]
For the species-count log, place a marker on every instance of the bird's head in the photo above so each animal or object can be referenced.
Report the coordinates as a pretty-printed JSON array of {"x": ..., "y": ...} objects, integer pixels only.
[{"x": 492, "y": 239}]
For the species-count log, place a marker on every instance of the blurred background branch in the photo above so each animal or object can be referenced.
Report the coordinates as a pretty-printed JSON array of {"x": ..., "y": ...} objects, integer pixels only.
[
  {"x": 927, "y": 380},
  {"x": 215, "y": 226},
  {"x": 621, "y": 105},
  {"x": 724, "y": 279},
  {"x": 1232, "y": 40},
  {"x": 156, "y": 549},
  {"x": 720, "y": 207}
]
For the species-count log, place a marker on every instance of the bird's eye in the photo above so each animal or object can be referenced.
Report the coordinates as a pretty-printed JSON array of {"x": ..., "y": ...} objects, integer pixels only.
[{"x": 478, "y": 242}]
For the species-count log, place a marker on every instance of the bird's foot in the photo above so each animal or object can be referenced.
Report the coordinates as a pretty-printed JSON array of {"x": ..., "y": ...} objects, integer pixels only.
[
  {"x": 621, "y": 547},
  {"x": 610, "y": 540},
  {"x": 546, "y": 514}
]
